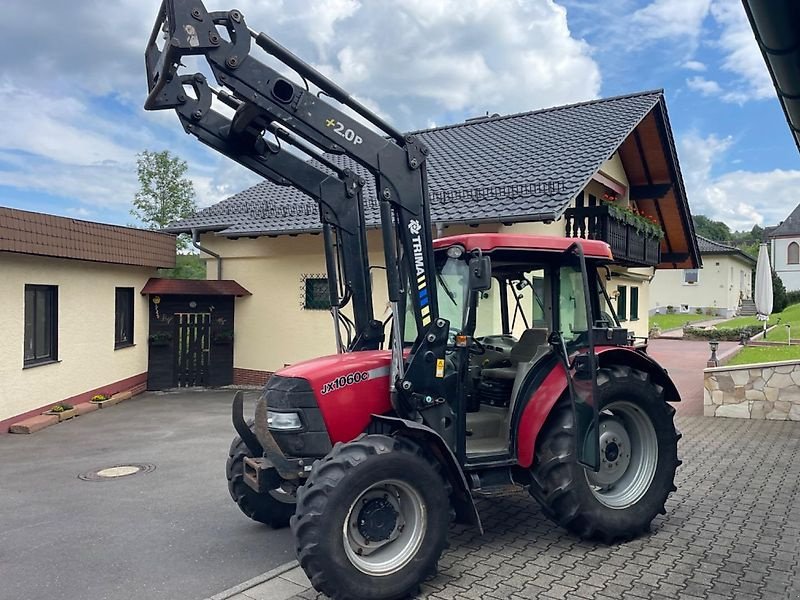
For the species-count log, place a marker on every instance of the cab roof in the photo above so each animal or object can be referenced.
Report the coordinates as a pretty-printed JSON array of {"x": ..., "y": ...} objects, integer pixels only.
[{"x": 488, "y": 242}]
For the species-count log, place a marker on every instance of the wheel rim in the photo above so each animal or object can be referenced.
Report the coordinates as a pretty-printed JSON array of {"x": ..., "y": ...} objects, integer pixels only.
[
  {"x": 628, "y": 456},
  {"x": 384, "y": 527}
]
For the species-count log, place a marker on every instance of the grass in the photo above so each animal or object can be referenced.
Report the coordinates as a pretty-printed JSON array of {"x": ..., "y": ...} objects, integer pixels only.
[
  {"x": 762, "y": 354},
  {"x": 737, "y": 322},
  {"x": 790, "y": 316},
  {"x": 675, "y": 320},
  {"x": 758, "y": 354}
]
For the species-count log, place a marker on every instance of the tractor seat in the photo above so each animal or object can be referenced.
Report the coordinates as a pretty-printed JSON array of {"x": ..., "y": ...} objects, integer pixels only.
[{"x": 522, "y": 352}]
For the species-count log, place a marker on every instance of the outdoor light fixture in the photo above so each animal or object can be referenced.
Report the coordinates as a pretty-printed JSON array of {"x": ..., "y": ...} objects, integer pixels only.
[
  {"x": 284, "y": 421},
  {"x": 713, "y": 361}
]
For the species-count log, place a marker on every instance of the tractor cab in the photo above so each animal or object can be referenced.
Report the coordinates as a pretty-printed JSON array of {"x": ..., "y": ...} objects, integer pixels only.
[{"x": 531, "y": 313}]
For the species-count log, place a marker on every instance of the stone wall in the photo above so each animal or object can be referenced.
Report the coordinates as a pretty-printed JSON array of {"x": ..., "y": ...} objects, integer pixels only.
[{"x": 760, "y": 391}]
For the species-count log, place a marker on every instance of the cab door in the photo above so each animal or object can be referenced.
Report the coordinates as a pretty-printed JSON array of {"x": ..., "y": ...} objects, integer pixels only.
[{"x": 577, "y": 347}]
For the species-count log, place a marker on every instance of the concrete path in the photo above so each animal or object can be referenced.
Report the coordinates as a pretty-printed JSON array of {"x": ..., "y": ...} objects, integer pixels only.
[
  {"x": 685, "y": 361},
  {"x": 731, "y": 532},
  {"x": 170, "y": 534}
]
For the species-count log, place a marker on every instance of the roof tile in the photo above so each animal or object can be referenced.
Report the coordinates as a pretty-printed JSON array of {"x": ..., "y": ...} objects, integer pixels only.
[{"x": 521, "y": 167}]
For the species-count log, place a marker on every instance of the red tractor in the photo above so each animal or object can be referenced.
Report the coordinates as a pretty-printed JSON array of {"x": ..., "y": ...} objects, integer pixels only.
[{"x": 370, "y": 454}]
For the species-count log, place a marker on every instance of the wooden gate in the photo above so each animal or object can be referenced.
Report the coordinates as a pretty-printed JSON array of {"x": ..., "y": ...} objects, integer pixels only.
[{"x": 193, "y": 348}]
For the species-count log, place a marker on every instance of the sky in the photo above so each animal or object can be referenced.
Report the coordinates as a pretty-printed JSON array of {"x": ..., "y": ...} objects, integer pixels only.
[{"x": 72, "y": 86}]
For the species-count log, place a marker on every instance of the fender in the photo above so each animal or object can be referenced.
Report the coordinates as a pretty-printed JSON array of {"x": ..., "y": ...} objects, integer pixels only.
[
  {"x": 463, "y": 503},
  {"x": 554, "y": 386}
]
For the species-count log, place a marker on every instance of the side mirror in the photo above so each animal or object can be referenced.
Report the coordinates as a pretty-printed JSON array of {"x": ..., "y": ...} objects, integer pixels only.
[{"x": 480, "y": 274}]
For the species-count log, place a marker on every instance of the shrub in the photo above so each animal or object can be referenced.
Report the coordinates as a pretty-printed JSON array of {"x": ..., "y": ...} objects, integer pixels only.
[
  {"x": 730, "y": 334},
  {"x": 698, "y": 311},
  {"x": 793, "y": 297},
  {"x": 670, "y": 309}
]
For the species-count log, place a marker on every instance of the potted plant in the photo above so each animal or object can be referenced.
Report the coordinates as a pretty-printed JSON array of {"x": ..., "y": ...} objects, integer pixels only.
[
  {"x": 62, "y": 410},
  {"x": 160, "y": 338},
  {"x": 222, "y": 337},
  {"x": 100, "y": 399}
]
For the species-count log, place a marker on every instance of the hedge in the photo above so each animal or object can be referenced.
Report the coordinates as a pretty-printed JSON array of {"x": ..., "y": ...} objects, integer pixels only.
[{"x": 730, "y": 334}]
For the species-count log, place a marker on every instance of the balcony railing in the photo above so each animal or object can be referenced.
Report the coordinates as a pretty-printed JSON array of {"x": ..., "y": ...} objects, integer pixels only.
[{"x": 630, "y": 245}]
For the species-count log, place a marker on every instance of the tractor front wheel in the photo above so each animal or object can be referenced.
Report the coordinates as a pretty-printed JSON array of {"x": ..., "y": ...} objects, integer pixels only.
[
  {"x": 372, "y": 519},
  {"x": 638, "y": 450},
  {"x": 273, "y": 508}
]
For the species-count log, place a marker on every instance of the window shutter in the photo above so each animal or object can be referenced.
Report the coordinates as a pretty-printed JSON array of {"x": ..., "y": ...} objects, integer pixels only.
[{"x": 622, "y": 302}]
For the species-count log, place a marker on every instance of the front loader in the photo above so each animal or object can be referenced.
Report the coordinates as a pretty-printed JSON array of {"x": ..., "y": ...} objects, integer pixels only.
[{"x": 369, "y": 454}]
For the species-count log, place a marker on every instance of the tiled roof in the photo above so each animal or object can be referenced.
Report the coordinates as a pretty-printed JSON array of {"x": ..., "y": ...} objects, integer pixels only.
[
  {"x": 194, "y": 287},
  {"x": 26, "y": 232},
  {"x": 707, "y": 246},
  {"x": 791, "y": 226},
  {"x": 522, "y": 167}
]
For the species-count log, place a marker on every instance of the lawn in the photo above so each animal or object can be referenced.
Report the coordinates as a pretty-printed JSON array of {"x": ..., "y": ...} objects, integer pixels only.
[
  {"x": 790, "y": 316},
  {"x": 675, "y": 320},
  {"x": 762, "y": 354}
]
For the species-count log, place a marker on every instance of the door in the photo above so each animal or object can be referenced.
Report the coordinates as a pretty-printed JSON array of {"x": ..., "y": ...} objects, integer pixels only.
[
  {"x": 575, "y": 326},
  {"x": 193, "y": 348}
]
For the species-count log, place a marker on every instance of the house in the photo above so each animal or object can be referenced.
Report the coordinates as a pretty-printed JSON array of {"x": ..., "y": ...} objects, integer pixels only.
[
  {"x": 723, "y": 284},
  {"x": 584, "y": 170},
  {"x": 784, "y": 249},
  {"x": 74, "y": 322}
]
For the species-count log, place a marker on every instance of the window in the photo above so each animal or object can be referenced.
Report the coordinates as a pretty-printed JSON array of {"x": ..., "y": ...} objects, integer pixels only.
[
  {"x": 691, "y": 276},
  {"x": 793, "y": 254},
  {"x": 41, "y": 324},
  {"x": 316, "y": 294},
  {"x": 123, "y": 317},
  {"x": 634, "y": 303},
  {"x": 622, "y": 302}
]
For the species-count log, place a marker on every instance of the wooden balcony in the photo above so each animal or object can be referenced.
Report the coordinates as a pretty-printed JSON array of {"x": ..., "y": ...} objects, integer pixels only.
[{"x": 630, "y": 246}]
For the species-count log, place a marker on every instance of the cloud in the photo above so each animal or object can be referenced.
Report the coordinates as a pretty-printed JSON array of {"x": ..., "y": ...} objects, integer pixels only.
[
  {"x": 419, "y": 61},
  {"x": 740, "y": 198},
  {"x": 705, "y": 86},
  {"x": 664, "y": 19},
  {"x": 694, "y": 65},
  {"x": 742, "y": 57},
  {"x": 73, "y": 121}
]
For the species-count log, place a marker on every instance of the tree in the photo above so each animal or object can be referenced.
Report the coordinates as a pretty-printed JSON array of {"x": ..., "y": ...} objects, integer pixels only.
[
  {"x": 779, "y": 299},
  {"x": 164, "y": 195},
  {"x": 712, "y": 230},
  {"x": 187, "y": 266}
]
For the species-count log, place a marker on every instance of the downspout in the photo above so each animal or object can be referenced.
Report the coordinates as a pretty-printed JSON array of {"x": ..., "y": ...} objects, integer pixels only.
[
  {"x": 196, "y": 244},
  {"x": 439, "y": 229}
]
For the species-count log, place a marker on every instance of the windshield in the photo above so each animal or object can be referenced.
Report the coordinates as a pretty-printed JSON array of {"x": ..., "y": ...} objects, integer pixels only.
[{"x": 452, "y": 290}]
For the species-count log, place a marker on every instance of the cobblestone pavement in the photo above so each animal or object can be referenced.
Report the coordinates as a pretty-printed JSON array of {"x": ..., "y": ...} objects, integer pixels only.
[{"x": 732, "y": 531}]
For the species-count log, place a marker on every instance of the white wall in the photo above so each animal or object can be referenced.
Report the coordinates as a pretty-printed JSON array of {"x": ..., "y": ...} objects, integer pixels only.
[
  {"x": 87, "y": 359},
  {"x": 720, "y": 282},
  {"x": 789, "y": 274}
]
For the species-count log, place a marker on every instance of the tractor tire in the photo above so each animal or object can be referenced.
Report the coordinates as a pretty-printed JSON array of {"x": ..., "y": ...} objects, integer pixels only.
[
  {"x": 374, "y": 492},
  {"x": 269, "y": 509},
  {"x": 638, "y": 444}
]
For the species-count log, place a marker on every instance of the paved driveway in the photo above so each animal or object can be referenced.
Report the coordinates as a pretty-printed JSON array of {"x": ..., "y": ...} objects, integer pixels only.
[
  {"x": 170, "y": 534},
  {"x": 731, "y": 532},
  {"x": 685, "y": 361}
]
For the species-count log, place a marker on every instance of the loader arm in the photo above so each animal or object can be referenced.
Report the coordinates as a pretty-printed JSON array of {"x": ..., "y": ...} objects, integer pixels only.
[
  {"x": 241, "y": 138},
  {"x": 271, "y": 101}
]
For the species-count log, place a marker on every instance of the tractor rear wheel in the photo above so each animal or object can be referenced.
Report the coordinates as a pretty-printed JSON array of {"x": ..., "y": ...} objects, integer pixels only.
[
  {"x": 372, "y": 519},
  {"x": 638, "y": 450},
  {"x": 273, "y": 509}
]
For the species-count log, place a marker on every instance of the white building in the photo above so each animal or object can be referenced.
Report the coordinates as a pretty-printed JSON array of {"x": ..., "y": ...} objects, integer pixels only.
[
  {"x": 720, "y": 287},
  {"x": 784, "y": 243}
]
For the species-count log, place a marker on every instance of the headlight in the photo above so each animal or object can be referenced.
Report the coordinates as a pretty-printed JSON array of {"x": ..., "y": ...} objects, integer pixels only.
[{"x": 284, "y": 421}]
